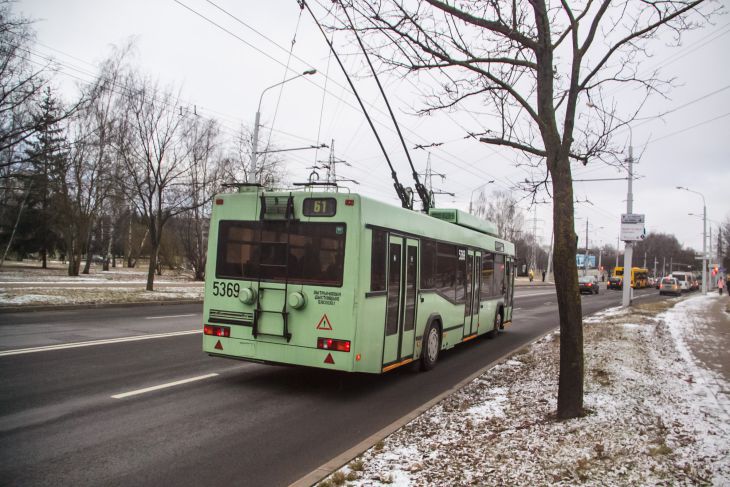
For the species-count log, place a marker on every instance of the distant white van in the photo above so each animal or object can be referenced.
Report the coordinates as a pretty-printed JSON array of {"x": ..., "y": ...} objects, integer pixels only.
[{"x": 684, "y": 278}]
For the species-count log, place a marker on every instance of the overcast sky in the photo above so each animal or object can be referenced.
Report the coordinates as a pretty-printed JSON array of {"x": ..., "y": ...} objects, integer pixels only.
[{"x": 223, "y": 74}]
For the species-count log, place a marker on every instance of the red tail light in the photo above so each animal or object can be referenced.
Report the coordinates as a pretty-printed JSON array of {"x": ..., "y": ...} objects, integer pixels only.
[
  {"x": 218, "y": 331},
  {"x": 332, "y": 344}
]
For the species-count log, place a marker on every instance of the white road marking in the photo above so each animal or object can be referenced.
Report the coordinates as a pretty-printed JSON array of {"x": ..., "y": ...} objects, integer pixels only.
[
  {"x": 163, "y": 386},
  {"x": 90, "y": 343},
  {"x": 168, "y": 316},
  {"x": 533, "y": 294}
]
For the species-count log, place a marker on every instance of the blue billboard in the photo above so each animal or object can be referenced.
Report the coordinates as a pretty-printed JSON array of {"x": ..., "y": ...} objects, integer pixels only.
[{"x": 580, "y": 260}]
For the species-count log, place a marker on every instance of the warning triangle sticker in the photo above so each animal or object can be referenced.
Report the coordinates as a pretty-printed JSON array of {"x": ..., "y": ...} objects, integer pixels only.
[
  {"x": 329, "y": 359},
  {"x": 324, "y": 323},
  {"x": 219, "y": 346}
]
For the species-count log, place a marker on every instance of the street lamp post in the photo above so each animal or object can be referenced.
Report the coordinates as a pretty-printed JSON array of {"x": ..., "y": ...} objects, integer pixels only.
[
  {"x": 629, "y": 247},
  {"x": 704, "y": 237},
  {"x": 255, "y": 142},
  {"x": 471, "y": 197}
]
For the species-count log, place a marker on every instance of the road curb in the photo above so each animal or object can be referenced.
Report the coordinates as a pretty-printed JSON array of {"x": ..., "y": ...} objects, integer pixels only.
[
  {"x": 343, "y": 458},
  {"x": 65, "y": 307}
]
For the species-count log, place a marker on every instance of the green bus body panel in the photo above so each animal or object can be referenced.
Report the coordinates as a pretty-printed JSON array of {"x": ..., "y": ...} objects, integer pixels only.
[{"x": 345, "y": 312}]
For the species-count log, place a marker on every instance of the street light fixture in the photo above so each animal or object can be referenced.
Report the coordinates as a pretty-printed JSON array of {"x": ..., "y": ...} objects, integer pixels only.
[
  {"x": 704, "y": 237},
  {"x": 471, "y": 197},
  {"x": 255, "y": 144}
]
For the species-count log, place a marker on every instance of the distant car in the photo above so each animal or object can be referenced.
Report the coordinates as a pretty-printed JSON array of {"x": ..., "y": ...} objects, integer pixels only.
[
  {"x": 669, "y": 285},
  {"x": 587, "y": 284},
  {"x": 615, "y": 283}
]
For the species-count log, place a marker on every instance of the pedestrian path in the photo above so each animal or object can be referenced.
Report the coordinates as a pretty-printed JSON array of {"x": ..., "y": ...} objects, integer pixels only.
[{"x": 707, "y": 338}]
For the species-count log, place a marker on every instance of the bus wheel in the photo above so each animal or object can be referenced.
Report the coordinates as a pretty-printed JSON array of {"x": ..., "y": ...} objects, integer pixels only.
[
  {"x": 497, "y": 325},
  {"x": 431, "y": 347}
]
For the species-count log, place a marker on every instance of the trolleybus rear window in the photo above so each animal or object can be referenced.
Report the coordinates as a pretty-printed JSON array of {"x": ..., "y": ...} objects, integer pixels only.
[{"x": 309, "y": 253}]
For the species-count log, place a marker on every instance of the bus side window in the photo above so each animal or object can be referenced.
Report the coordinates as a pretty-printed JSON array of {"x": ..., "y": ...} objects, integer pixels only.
[
  {"x": 377, "y": 261},
  {"x": 428, "y": 264},
  {"x": 499, "y": 286},
  {"x": 487, "y": 275}
]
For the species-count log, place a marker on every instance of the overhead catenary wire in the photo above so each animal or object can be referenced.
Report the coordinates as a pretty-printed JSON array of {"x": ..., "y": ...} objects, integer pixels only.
[
  {"x": 339, "y": 98},
  {"x": 399, "y": 189},
  {"x": 420, "y": 189}
]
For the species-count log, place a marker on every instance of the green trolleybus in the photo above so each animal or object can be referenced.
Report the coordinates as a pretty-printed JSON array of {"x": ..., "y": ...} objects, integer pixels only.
[{"x": 344, "y": 282}]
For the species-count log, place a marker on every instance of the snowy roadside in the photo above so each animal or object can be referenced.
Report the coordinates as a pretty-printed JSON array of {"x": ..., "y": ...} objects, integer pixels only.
[
  {"x": 27, "y": 286},
  {"x": 655, "y": 417},
  {"x": 37, "y": 296}
]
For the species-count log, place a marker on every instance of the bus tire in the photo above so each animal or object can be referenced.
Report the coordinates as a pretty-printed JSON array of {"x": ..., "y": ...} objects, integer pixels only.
[
  {"x": 497, "y": 324},
  {"x": 431, "y": 346}
]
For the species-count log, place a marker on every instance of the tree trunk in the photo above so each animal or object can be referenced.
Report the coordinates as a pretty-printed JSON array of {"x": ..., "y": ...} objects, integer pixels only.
[
  {"x": 199, "y": 250},
  {"x": 15, "y": 227},
  {"x": 89, "y": 255},
  {"x": 132, "y": 261},
  {"x": 73, "y": 257},
  {"x": 107, "y": 256},
  {"x": 152, "y": 267},
  {"x": 570, "y": 385},
  {"x": 129, "y": 242}
]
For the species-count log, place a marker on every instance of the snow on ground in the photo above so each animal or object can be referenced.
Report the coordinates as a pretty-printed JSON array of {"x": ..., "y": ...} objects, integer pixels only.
[
  {"x": 31, "y": 271},
  {"x": 95, "y": 295},
  {"x": 649, "y": 420}
]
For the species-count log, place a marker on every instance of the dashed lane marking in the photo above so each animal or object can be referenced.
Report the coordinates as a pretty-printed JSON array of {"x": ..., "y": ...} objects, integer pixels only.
[
  {"x": 169, "y": 316},
  {"x": 163, "y": 386},
  {"x": 91, "y": 343}
]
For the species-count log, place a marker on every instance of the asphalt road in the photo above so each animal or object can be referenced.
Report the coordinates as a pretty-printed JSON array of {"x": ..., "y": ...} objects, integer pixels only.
[{"x": 248, "y": 425}]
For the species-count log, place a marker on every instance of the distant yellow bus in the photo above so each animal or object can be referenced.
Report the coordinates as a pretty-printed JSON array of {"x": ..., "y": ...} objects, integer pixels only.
[{"x": 639, "y": 276}]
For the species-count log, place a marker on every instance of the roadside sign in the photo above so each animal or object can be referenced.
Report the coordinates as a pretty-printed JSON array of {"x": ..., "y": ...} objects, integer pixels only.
[{"x": 632, "y": 227}]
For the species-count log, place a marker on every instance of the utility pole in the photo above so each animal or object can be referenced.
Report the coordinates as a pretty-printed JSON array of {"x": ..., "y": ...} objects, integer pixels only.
[
  {"x": 629, "y": 249},
  {"x": 655, "y": 266},
  {"x": 428, "y": 181},
  {"x": 550, "y": 258},
  {"x": 664, "y": 266},
  {"x": 585, "y": 260},
  {"x": 644, "y": 266},
  {"x": 618, "y": 242}
]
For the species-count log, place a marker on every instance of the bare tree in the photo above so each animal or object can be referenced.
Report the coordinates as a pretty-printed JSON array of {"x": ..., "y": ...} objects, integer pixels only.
[
  {"x": 20, "y": 84},
  {"x": 160, "y": 166},
  {"x": 530, "y": 63},
  {"x": 501, "y": 209},
  {"x": 237, "y": 165},
  {"x": 202, "y": 139}
]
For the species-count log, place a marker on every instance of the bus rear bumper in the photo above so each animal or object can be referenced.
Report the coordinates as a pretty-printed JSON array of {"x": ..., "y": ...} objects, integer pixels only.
[{"x": 277, "y": 353}]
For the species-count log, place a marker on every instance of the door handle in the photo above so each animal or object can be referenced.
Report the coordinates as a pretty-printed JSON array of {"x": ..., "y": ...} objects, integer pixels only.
[{"x": 422, "y": 299}]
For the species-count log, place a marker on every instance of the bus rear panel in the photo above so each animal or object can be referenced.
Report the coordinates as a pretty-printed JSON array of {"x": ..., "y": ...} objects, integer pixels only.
[{"x": 343, "y": 282}]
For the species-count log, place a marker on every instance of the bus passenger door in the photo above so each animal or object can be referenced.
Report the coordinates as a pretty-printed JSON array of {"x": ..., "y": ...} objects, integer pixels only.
[
  {"x": 471, "y": 304},
  {"x": 401, "y": 305},
  {"x": 509, "y": 282}
]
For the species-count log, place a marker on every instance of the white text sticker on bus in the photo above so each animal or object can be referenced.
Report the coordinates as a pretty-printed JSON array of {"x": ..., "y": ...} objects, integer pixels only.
[{"x": 324, "y": 323}]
